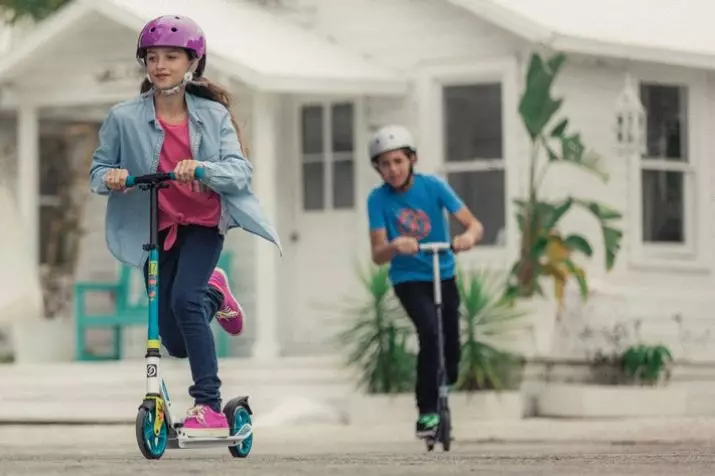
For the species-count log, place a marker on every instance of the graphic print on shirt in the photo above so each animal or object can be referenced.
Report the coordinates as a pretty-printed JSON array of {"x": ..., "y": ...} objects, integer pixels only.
[{"x": 414, "y": 223}]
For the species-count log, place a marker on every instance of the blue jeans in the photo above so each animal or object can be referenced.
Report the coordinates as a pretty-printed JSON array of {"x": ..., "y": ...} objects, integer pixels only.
[{"x": 187, "y": 305}]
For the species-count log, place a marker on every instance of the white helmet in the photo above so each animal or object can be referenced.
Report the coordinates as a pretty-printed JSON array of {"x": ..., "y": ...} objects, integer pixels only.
[{"x": 389, "y": 138}]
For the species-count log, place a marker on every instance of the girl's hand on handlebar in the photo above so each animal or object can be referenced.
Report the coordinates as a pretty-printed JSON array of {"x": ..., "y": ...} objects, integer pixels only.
[
  {"x": 405, "y": 245},
  {"x": 462, "y": 242},
  {"x": 185, "y": 170},
  {"x": 116, "y": 179}
]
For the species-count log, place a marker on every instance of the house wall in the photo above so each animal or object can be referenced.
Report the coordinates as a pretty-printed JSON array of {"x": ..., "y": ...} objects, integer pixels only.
[
  {"x": 669, "y": 294},
  {"x": 420, "y": 37},
  {"x": 408, "y": 35}
]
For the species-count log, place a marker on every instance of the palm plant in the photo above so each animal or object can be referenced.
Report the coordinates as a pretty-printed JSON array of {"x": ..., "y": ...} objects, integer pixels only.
[
  {"x": 545, "y": 251},
  {"x": 485, "y": 317},
  {"x": 376, "y": 340}
]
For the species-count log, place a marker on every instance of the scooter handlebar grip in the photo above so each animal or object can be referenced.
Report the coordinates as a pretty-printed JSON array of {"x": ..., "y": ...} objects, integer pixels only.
[{"x": 131, "y": 180}]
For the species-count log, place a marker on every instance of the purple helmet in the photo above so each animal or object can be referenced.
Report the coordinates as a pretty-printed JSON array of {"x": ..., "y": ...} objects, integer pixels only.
[{"x": 172, "y": 31}]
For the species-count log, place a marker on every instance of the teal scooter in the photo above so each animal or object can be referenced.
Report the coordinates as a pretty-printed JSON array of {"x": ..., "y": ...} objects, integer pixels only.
[{"x": 157, "y": 428}]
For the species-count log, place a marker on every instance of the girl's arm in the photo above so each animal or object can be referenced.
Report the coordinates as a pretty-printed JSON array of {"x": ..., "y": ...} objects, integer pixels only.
[
  {"x": 233, "y": 172},
  {"x": 106, "y": 156}
]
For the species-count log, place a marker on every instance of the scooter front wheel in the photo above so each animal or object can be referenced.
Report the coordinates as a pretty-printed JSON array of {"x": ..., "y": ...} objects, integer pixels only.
[
  {"x": 238, "y": 414},
  {"x": 445, "y": 430},
  {"x": 152, "y": 444}
]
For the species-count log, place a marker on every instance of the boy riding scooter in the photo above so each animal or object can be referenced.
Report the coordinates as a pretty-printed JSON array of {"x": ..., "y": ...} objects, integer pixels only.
[{"x": 406, "y": 210}]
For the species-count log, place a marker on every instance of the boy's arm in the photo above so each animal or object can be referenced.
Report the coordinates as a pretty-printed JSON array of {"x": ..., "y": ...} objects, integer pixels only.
[
  {"x": 473, "y": 232},
  {"x": 473, "y": 228},
  {"x": 382, "y": 250},
  {"x": 379, "y": 245}
]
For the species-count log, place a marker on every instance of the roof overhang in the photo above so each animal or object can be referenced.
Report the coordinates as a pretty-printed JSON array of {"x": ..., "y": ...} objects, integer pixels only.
[
  {"x": 275, "y": 56},
  {"x": 519, "y": 22}
]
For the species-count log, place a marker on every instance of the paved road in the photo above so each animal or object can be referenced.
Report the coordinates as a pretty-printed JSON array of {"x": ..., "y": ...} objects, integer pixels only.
[{"x": 99, "y": 451}]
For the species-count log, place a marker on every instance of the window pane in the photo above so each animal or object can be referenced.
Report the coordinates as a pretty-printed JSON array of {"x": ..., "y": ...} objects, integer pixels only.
[
  {"x": 342, "y": 127},
  {"x": 666, "y": 122},
  {"x": 312, "y": 129},
  {"x": 343, "y": 184},
  {"x": 473, "y": 122},
  {"x": 483, "y": 193},
  {"x": 663, "y": 206},
  {"x": 313, "y": 186}
]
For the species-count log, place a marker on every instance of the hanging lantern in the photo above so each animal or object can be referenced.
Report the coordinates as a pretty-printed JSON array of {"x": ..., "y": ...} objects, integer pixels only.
[{"x": 630, "y": 120}]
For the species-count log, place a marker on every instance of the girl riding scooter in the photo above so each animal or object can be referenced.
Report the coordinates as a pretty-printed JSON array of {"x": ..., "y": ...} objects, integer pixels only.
[{"x": 179, "y": 122}]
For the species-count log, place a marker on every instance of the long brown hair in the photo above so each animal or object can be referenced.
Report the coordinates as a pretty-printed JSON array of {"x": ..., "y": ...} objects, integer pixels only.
[{"x": 208, "y": 90}]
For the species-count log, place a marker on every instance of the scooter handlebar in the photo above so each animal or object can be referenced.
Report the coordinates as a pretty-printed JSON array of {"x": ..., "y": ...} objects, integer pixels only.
[
  {"x": 159, "y": 177},
  {"x": 436, "y": 247}
]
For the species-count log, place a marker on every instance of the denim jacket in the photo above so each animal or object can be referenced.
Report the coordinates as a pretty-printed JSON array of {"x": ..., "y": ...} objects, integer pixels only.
[{"x": 131, "y": 138}]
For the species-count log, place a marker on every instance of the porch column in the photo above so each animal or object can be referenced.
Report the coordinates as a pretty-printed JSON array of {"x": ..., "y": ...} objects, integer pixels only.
[
  {"x": 28, "y": 181},
  {"x": 263, "y": 149}
]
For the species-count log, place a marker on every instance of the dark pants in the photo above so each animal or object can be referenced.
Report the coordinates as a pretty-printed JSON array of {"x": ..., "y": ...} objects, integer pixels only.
[
  {"x": 187, "y": 305},
  {"x": 417, "y": 298}
]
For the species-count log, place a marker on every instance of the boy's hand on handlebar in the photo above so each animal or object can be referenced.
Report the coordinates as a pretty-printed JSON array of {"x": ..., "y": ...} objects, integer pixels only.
[
  {"x": 405, "y": 245},
  {"x": 462, "y": 242},
  {"x": 185, "y": 170},
  {"x": 116, "y": 179}
]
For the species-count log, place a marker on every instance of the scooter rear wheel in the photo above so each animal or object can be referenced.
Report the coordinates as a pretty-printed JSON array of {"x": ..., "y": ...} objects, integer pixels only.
[{"x": 151, "y": 445}]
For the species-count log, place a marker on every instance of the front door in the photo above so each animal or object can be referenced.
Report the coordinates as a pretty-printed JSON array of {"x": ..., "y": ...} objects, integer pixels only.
[{"x": 323, "y": 243}]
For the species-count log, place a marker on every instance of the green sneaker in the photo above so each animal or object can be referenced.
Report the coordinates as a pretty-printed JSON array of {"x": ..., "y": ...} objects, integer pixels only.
[{"x": 427, "y": 425}]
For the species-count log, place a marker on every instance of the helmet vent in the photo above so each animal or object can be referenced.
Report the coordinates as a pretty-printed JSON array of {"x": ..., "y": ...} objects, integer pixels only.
[{"x": 173, "y": 29}]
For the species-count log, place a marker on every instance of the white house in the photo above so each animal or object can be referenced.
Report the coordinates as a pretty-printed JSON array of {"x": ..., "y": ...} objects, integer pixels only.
[{"x": 312, "y": 78}]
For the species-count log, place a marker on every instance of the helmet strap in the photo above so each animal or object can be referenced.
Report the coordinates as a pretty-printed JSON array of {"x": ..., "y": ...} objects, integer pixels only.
[
  {"x": 187, "y": 79},
  {"x": 406, "y": 183}
]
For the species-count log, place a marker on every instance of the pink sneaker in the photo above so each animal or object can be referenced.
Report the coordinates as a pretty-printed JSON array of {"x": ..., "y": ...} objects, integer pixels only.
[
  {"x": 202, "y": 421},
  {"x": 230, "y": 314}
]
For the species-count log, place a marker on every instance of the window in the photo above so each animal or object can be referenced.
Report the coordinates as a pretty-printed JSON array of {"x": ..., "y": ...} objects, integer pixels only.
[
  {"x": 666, "y": 171},
  {"x": 328, "y": 153},
  {"x": 474, "y": 154}
]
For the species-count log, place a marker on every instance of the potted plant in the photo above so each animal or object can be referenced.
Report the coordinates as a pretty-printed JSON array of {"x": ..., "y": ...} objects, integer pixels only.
[
  {"x": 622, "y": 379},
  {"x": 546, "y": 250},
  {"x": 648, "y": 365},
  {"x": 491, "y": 367},
  {"x": 377, "y": 345},
  {"x": 376, "y": 339}
]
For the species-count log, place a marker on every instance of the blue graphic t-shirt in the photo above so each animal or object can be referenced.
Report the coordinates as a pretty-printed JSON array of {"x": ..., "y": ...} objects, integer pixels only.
[{"x": 418, "y": 212}]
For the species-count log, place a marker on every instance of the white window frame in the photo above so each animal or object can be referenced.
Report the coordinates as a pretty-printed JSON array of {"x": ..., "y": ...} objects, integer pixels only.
[
  {"x": 326, "y": 104},
  {"x": 431, "y": 82},
  {"x": 694, "y": 251}
]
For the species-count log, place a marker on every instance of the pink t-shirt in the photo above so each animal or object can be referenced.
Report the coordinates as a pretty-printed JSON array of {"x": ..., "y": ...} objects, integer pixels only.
[{"x": 183, "y": 204}]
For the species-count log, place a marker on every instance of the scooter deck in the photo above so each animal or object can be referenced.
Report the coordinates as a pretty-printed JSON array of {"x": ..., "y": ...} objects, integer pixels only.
[{"x": 181, "y": 441}]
